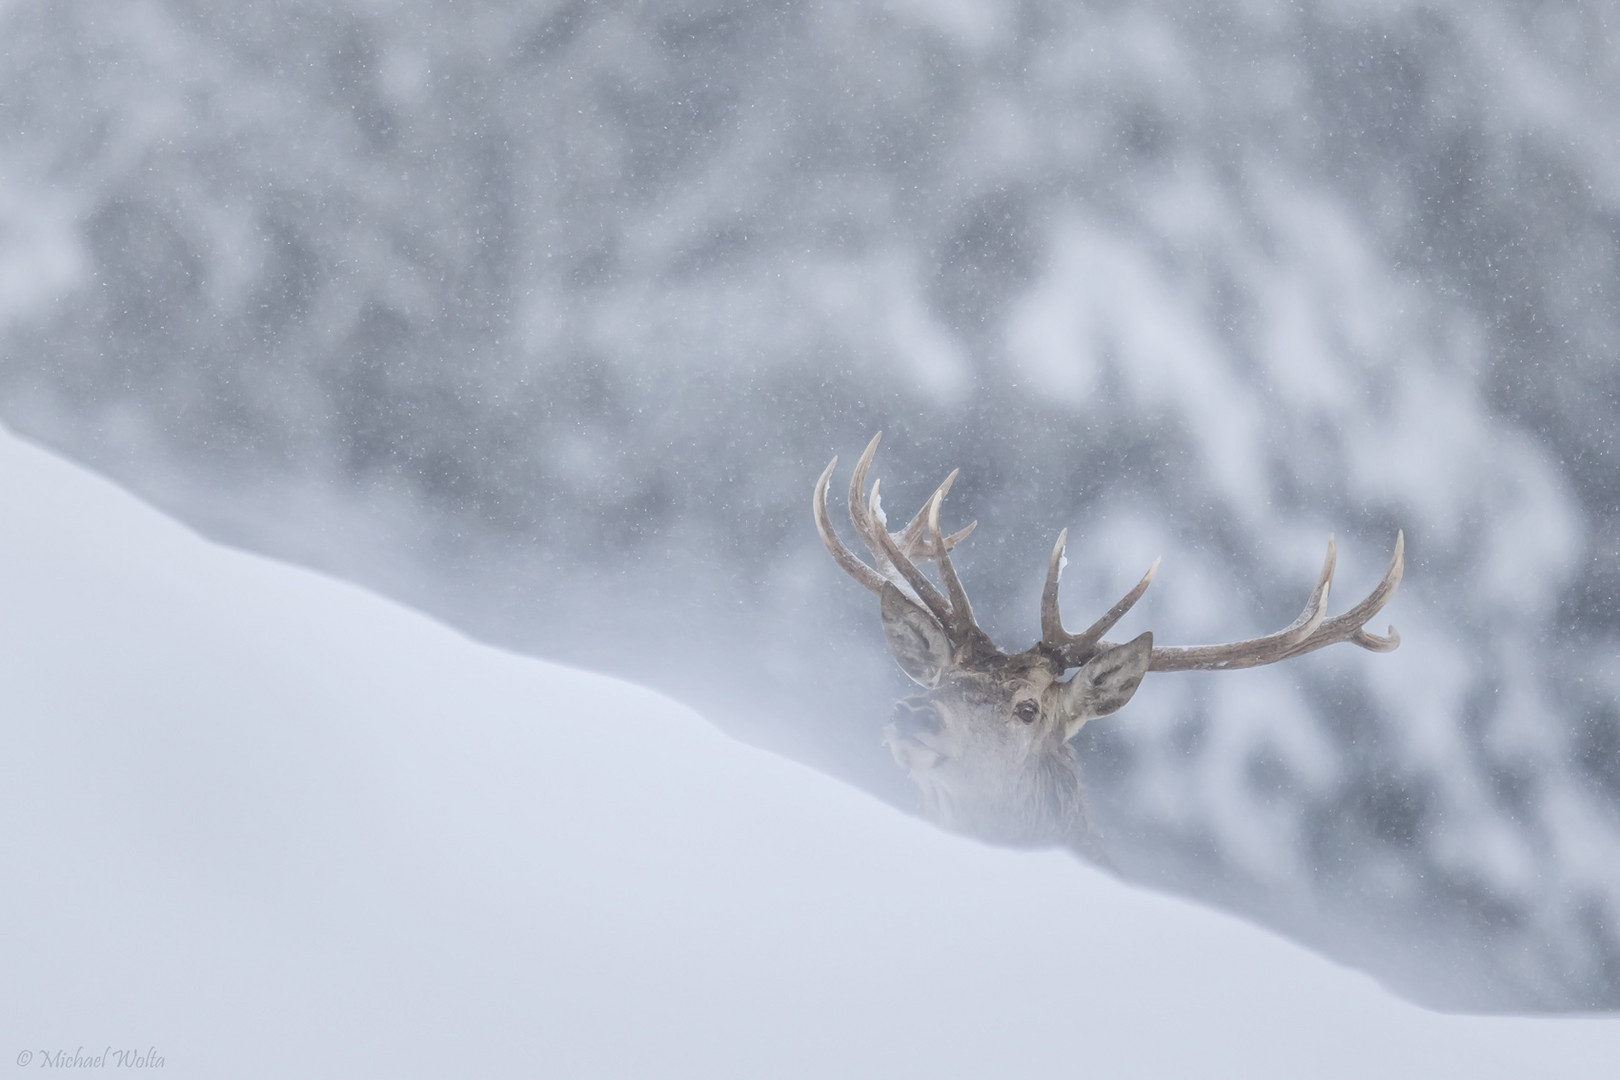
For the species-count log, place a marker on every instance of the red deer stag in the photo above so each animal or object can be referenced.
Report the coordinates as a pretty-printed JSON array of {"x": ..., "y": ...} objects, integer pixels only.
[{"x": 988, "y": 745}]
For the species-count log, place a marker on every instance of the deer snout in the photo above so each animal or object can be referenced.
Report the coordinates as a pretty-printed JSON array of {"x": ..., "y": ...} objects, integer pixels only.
[
  {"x": 913, "y": 718},
  {"x": 912, "y": 736}
]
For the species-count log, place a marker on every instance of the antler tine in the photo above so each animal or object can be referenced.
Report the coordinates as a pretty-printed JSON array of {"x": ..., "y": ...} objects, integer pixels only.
[
  {"x": 960, "y": 608},
  {"x": 1350, "y": 625},
  {"x": 924, "y": 588},
  {"x": 1308, "y": 632},
  {"x": 1078, "y": 648},
  {"x": 859, "y": 515},
  {"x": 845, "y": 558},
  {"x": 914, "y": 539},
  {"x": 1052, "y": 633},
  {"x": 1081, "y": 646}
]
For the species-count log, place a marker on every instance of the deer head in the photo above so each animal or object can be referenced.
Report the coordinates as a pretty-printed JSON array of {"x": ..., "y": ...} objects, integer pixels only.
[{"x": 988, "y": 742}]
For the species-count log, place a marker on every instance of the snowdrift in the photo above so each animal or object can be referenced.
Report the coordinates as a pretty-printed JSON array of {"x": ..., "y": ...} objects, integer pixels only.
[{"x": 261, "y": 823}]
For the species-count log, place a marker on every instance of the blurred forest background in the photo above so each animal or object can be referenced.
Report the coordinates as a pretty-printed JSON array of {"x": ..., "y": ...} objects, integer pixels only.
[{"x": 543, "y": 317}]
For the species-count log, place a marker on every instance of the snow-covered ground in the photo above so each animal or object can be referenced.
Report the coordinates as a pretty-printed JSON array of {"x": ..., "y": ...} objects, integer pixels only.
[{"x": 262, "y": 823}]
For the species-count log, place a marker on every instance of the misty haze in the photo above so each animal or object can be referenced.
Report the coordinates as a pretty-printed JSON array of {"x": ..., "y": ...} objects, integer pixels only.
[{"x": 543, "y": 319}]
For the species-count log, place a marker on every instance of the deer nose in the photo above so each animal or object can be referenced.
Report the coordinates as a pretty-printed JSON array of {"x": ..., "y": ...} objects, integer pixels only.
[{"x": 913, "y": 718}]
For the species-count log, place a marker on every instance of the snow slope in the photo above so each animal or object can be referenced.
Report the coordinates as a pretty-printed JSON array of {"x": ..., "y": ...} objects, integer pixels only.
[
  {"x": 262, "y": 823},
  {"x": 487, "y": 304}
]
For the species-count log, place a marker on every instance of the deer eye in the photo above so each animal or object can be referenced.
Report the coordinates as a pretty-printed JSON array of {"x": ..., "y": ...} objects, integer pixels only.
[{"x": 1027, "y": 711}]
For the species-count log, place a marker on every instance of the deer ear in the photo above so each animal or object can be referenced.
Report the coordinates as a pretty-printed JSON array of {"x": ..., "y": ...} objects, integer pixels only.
[
  {"x": 918, "y": 642},
  {"x": 1105, "y": 683}
]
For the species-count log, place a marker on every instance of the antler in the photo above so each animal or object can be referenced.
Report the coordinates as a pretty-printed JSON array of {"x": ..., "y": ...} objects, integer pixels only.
[
  {"x": 896, "y": 553},
  {"x": 1305, "y": 634},
  {"x": 896, "y": 556},
  {"x": 1076, "y": 649}
]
